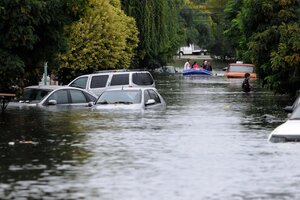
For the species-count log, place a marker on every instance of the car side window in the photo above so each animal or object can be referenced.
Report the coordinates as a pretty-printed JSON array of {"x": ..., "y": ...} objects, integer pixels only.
[
  {"x": 154, "y": 95},
  {"x": 120, "y": 79},
  {"x": 146, "y": 96},
  {"x": 99, "y": 81},
  {"x": 142, "y": 79},
  {"x": 77, "y": 96},
  {"x": 80, "y": 82},
  {"x": 61, "y": 97}
]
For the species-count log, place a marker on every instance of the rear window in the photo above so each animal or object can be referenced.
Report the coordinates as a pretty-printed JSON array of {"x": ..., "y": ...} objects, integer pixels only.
[
  {"x": 142, "y": 79},
  {"x": 236, "y": 68},
  {"x": 99, "y": 81},
  {"x": 120, "y": 79},
  {"x": 34, "y": 95}
]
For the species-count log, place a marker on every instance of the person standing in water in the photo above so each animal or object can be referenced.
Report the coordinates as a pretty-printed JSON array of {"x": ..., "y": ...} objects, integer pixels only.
[{"x": 246, "y": 85}]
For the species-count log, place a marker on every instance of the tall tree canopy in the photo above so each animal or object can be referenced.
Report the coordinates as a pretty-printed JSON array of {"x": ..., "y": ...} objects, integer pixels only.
[
  {"x": 104, "y": 38},
  {"x": 159, "y": 26},
  {"x": 269, "y": 37},
  {"x": 30, "y": 33}
]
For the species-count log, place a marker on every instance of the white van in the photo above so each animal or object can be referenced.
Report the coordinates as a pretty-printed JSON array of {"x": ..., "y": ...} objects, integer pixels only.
[{"x": 96, "y": 83}]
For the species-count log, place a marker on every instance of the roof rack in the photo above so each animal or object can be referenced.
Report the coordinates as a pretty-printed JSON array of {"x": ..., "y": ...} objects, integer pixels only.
[
  {"x": 118, "y": 70},
  {"x": 113, "y": 70}
]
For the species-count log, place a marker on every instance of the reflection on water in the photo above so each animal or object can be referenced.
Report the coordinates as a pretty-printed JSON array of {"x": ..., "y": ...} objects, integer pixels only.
[{"x": 210, "y": 143}]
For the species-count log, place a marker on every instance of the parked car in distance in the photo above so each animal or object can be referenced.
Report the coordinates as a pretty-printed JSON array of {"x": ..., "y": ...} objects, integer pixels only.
[
  {"x": 50, "y": 95},
  {"x": 238, "y": 70},
  {"x": 289, "y": 109},
  {"x": 98, "y": 82},
  {"x": 191, "y": 49},
  {"x": 288, "y": 131},
  {"x": 130, "y": 98}
]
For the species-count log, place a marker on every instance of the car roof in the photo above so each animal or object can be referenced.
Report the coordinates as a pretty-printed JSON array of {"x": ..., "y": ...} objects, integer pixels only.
[
  {"x": 47, "y": 87},
  {"x": 54, "y": 87},
  {"x": 130, "y": 88},
  {"x": 241, "y": 64},
  {"x": 121, "y": 71}
]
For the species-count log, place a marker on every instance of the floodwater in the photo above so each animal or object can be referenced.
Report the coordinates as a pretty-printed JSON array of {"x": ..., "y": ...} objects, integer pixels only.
[{"x": 210, "y": 143}]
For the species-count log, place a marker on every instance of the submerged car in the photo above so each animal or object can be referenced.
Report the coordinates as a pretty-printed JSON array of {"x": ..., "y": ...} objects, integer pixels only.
[
  {"x": 55, "y": 95},
  {"x": 130, "y": 98},
  {"x": 290, "y": 109},
  {"x": 288, "y": 131},
  {"x": 238, "y": 70}
]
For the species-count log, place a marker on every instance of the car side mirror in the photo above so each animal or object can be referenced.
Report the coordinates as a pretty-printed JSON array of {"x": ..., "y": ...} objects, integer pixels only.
[
  {"x": 52, "y": 102},
  {"x": 90, "y": 104},
  {"x": 150, "y": 102},
  {"x": 288, "y": 109},
  {"x": 224, "y": 69}
]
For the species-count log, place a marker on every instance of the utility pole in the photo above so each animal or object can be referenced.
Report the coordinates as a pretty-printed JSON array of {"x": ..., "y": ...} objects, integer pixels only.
[{"x": 45, "y": 73}]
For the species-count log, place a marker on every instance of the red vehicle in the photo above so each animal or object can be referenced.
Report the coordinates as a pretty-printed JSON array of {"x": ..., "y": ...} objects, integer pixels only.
[{"x": 238, "y": 70}]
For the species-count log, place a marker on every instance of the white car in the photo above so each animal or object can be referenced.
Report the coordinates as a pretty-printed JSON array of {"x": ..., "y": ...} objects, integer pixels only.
[
  {"x": 289, "y": 109},
  {"x": 98, "y": 82},
  {"x": 288, "y": 131},
  {"x": 131, "y": 98},
  {"x": 50, "y": 95}
]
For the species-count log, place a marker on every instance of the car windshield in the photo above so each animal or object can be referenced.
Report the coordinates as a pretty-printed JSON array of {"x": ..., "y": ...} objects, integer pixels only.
[
  {"x": 120, "y": 96},
  {"x": 34, "y": 95},
  {"x": 240, "y": 68},
  {"x": 296, "y": 114}
]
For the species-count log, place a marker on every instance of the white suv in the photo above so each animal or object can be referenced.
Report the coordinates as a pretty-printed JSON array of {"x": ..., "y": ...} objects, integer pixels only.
[{"x": 98, "y": 82}]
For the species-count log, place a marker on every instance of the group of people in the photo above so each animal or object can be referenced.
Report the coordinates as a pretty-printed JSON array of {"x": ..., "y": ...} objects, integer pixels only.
[{"x": 205, "y": 65}]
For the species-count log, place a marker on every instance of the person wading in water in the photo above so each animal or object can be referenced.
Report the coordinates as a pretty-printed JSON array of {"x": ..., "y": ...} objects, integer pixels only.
[{"x": 246, "y": 85}]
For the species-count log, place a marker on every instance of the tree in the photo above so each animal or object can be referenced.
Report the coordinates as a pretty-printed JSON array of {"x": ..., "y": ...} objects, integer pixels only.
[
  {"x": 159, "y": 27},
  {"x": 104, "y": 38},
  {"x": 30, "y": 33},
  {"x": 232, "y": 30},
  {"x": 273, "y": 30},
  {"x": 268, "y": 36}
]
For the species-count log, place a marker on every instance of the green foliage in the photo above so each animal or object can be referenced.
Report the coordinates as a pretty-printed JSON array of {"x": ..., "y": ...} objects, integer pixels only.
[
  {"x": 233, "y": 31},
  {"x": 30, "y": 33},
  {"x": 159, "y": 27},
  {"x": 196, "y": 23},
  {"x": 12, "y": 67},
  {"x": 104, "y": 38},
  {"x": 268, "y": 35}
]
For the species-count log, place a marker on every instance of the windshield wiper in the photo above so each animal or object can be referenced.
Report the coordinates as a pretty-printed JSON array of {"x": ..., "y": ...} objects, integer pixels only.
[
  {"x": 295, "y": 118},
  {"x": 103, "y": 102},
  {"x": 123, "y": 102}
]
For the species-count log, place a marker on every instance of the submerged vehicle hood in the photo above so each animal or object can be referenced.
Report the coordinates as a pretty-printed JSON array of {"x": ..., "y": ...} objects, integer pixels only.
[
  {"x": 117, "y": 107},
  {"x": 290, "y": 127}
]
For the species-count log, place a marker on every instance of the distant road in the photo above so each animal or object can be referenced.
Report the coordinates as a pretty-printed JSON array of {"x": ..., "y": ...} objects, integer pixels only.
[{"x": 193, "y": 57}]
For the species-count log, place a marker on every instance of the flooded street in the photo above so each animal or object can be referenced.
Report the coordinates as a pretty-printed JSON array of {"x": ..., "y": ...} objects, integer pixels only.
[{"x": 210, "y": 143}]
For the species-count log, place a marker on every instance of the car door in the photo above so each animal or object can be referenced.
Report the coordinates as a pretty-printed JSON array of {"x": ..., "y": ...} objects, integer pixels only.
[
  {"x": 150, "y": 94},
  {"x": 58, "y": 97},
  {"x": 67, "y": 97}
]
